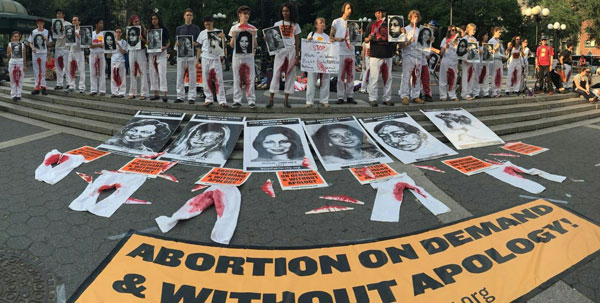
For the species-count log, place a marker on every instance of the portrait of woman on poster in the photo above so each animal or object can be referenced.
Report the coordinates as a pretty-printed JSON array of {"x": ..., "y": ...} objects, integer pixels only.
[
  {"x": 205, "y": 141},
  {"x": 339, "y": 143},
  {"x": 243, "y": 43},
  {"x": 57, "y": 29},
  {"x": 142, "y": 135},
  {"x": 278, "y": 143}
]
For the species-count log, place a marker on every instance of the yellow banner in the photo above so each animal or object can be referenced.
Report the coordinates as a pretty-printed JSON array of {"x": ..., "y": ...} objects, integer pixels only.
[{"x": 494, "y": 258}]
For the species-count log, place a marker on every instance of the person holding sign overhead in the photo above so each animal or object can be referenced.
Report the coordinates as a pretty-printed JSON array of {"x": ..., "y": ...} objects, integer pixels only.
[
  {"x": 340, "y": 33},
  {"x": 243, "y": 41},
  {"x": 320, "y": 36}
]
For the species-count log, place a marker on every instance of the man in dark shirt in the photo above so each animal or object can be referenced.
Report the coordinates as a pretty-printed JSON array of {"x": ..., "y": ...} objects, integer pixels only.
[
  {"x": 187, "y": 63},
  {"x": 566, "y": 60},
  {"x": 380, "y": 62},
  {"x": 543, "y": 64}
]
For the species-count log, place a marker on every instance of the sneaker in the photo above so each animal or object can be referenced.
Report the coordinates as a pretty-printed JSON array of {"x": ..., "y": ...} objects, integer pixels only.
[
  {"x": 477, "y": 97},
  {"x": 18, "y": 98},
  {"x": 154, "y": 98},
  {"x": 486, "y": 96},
  {"x": 58, "y": 87},
  {"x": 35, "y": 92},
  {"x": 236, "y": 105},
  {"x": 340, "y": 101},
  {"x": 92, "y": 93},
  {"x": 82, "y": 92},
  {"x": 176, "y": 101},
  {"x": 191, "y": 101},
  {"x": 44, "y": 92},
  {"x": 252, "y": 105},
  {"x": 404, "y": 101},
  {"x": 373, "y": 103},
  {"x": 428, "y": 99},
  {"x": 351, "y": 101},
  {"x": 113, "y": 96},
  {"x": 142, "y": 98},
  {"x": 120, "y": 96},
  {"x": 325, "y": 104},
  {"x": 389, "y": 103},
  {"x": 165, "y": 99},
  {"x": 362, "y": 91},
  {"x": 418, "y": 101}
]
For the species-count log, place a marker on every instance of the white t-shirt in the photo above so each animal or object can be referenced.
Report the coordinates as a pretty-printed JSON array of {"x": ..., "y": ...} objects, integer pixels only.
[
  {"x": 12, "y": 58},
  {"x": 341, "y": 31},
  {"x": 526, "y": 54},
  {"x": 289, "y": 32},
  {"x": 77, "y": 46},
  {"x": 205, "y": 44},
  {"x": 117, "y": 56},
  {"x": 411, "y": 50},
  {"x": 241, "y": 28},
  {"x": 45, "y": 34},
  {"x": 97, "y": 38},
  {"x": 319, "y": 37},
  {"x": 450, "y": 53}
]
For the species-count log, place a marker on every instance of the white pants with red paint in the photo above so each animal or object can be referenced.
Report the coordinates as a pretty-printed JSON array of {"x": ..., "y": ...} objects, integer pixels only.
[
  {"x": 364, "y": 77},
  {"x": 390, "y": 195},
  {"x": 511, "y": 174},
  {"x": 97, "y": 73},
  {"x": 212, "y": 80},
  {"x": 496, "y": 77},
  {"x": 64, "y": 164},
  {"x": 311, "y": 87},
  {"x": 124, "y": 185},
  {"x": 411, "y": 77},
  {"x": 39, "y": 68},
  {"x": 244, "y": 74},
  {"x": 138, "y": 66},
  {"x": 61, "y": 58},
  {"x": 16, "y": 73},
  {"x": 118, "y": 81},
  {"x": 284, "y": 63},
  {"x": 567, "y": 69},
  {"x": 482, "y": 73},
  {"x": 513, "y": 77},
  {"x": 157, "y": 63},
  {"x": 225, "y": 198},
  {"x": 469, "y": 77},
  {"x": 380, "y": 69},
  {"x": 448, "y": 79},
  {"x": 187, "y": 64},
  {"x": 345, "y": 82},
  {"x": 76, "y": 64}
]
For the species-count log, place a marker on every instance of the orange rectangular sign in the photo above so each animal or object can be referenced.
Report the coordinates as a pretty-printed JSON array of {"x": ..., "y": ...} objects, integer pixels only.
[
  {"x": 499, "y": 257},
  {"x": 524, "y": 148},
  {"x": 224, "y": 176},
  {"x": 89, "y": 153},
  {"x": 147, "y": 167},
  {"x": 373, "y": 173},
  {"x": 468, "y": 165},
  {"x": 300, "y": 179}
]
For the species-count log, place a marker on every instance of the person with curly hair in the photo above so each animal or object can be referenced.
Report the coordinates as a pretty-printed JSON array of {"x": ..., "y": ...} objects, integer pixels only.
[
  {"x": 142, "y": 135},
  {"x": 339, "y": 143},
  {"x": 205, "y": 141},
  {"x": 278, "y": 143}
]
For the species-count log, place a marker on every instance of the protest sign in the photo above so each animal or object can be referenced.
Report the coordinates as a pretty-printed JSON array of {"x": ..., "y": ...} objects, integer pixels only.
[
  {"x": 320, "y": 57},
  {"x": 468, "y": 165},
  {"x": 300, "y": 179},
  {"x": 141, "y": 166},
  {"x": 524, "y": 148},
  {"x": 89, "y": 153},
  {"x": 224, "y": 176},
  {"x": 373, "y": 173}
]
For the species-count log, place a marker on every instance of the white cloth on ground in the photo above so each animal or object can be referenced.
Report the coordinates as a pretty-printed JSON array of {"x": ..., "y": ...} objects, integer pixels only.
[
  {"x": 64, "y": 165},
  {"x": 510, "y": 173}
]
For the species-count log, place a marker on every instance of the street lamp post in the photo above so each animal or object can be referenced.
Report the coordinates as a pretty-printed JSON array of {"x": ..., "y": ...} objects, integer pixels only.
[
  {"x": 537, "y": 13},
  {"x": 556, "y": 26}
]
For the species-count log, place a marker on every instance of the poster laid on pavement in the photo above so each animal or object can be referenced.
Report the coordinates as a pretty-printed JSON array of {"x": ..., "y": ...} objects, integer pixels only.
[
  {"x": 531, "y": 243},
  {"x": 206, "y": 141},
  {"x": 147, "y": 167},
  {"x": 320, "y": 57},
  {"x": 145, "y": 134},
  {"x": 89, "y": 153},
  {"x": 461, "y": 128},
  {"x": 224, "y": 176},
  {"x": 403, "y": 137},
  {"x": 342, "y": 143},
  {"x": 524, "y": 148},
  {"x": 373, "y": 173},
  {"x": 468, "y": 165},
  {"x": 300, "y": 179},
  {"x": 276, "y": 145}
]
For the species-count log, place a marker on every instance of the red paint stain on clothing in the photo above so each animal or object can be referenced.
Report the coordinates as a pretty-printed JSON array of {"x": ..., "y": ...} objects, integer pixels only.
[
  {"x": 384, "y": 72},
  {"x": 513, "y": 171},
  {"x": 102, "y": 188},
  {"x": 155, "y": 63},
  {"x": 97, "y": 66},
  {"x": 61, "y": 62},
  {"x": 38, "y": 61},
  {"x": 117, "y": 76},
  {"x": 568, "y": 76},
  {"x": 284, "y": 68},
  {"x": 205, "y": 200},
  {"x": 72, "y": 68},
  {"x": 470, "y": 73},
  {"x": 401, "y": 186},
  {"x": 483, "y": 74},
  {"x": 136, "y": 69},
  {"x": 413, "y": 76},
  {"x": 513, "y": 79},
  {"x": 244, "y": 74},
  {"x": 17, "y": 75},
  {"x": 451, "y": 78},
  {"x": 347, "y": 71},
  {"x": 498, "y": 78},
  {"x": 212, "y": 77},
  {"x": 56, "y": 159}
]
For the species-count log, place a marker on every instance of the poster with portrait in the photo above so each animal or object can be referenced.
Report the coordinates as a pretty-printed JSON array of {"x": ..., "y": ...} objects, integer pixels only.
[
  {"x": 85, "y": 34},
  {"x": 205, "y": 141},
  {"x": 70, "y": 38},
  {"x": 319, "y": 57},
  {"x": 433, "y": 61},
  {"x": 486, "y": 53},
  {"x": 341, "y": 143},
  {"x": 276, "y": 145},
  {"x": 424, "y": 39},
  {"x": 155, "y": 40},
  {"x": 39, "y": 43},
  {"x": 461, "y": 48},
  {"x": 501, "y": 50},
  {"x": 354, "y": 32},
  {"x": 274, "y": 39},
  {"x": 185, "y": 46},
  {"x": 216, "y": 43},
  {"x": 16, "y": 50},
  {"x": 244, "y": 42},
  {"x": 395, "y": 26},
  {"x": 58, "y": 28},
  {"x": 403, "y": 137},
  {"x": 145, "y": 134},
  {"x": 110, "y": 42},
  {"x": 134, "y": 40},
  {"x": 462, "y": 128},
  {"x": 473, "y": 52}
]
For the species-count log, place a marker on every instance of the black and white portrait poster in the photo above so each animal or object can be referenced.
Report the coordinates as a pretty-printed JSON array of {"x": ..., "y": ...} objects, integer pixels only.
[
  {"x": 354, "y": 33},
  {"x": 205, "y": 141},
  {"x": 145, "y": 134},
  {"x": 244, "y": 42},
  {"x": 39, "y": 44},
  {"x": 424, "y": 39},
  {"x": 155, "y": 40},
  {"x": 433, "y": 61},
  {"x": 85, "y": 34},
  {"x": 16, "y": 50},
  {"x": 216, "y": 43},
  {"x": 404, "y": 138},
  {"x": 70, "y": 38},
  {"x": 501, "y": 50},
  {"x": 486, "y": 53},
  {"x": 461, "y": 128},
  {"x": 274, "y": 39},
  {"x": 276, "y": 145},
  {"x": 342, "y": 143},
  {"x": 134, "y": 40},
  {"x": 461, "y": 48},
  {"x": 58, "y": 28},
  {"x": 473, "y": 53},
  {"x": 185, "y": 46},
  {"x": 110, "y": 43},
  {"x": 395, "y": 26}
]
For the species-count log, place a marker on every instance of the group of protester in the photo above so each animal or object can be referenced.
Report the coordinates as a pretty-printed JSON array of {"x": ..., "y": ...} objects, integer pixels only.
[{"x": 478, "y": 79}]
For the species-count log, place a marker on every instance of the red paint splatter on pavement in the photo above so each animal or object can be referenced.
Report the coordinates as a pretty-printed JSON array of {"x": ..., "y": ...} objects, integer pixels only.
[
  {"x": 328, "y": 209},
  {"x": 268, "y": 188},
  {"x": 342, "y": 198}
]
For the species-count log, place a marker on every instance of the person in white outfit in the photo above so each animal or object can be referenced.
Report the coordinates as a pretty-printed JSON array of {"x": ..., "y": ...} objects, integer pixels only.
[
  {"x": 243, "y": 42},
  {"x": 17, "y": 64},
  {"x": 138, "y": 62},
  {"x": 496, "y": 69},
  {"x": 341, "y": 35},
  {"x": 212, "y": 69},
  {"x": 39, "y": 41},
  {"x": 482, "y": 70},
  {"x": 513, "y": 77},
  {"x": 365, "y": 54},
  {"x": 157, "y": 62},
  {"x": 525, "y": 63},
  {"x": 117, "y": 66},
  {"x": 449, "y": 65},
  {"x": 76, "y": 61},
  {"x": 411, "y": 62},
  {"x": 61, "y": 54},
  {"x": 380, "y": 59},
  {"x": 468, "y": 69},
  {"x": 97, "y": 61},
  {"x": 187, "y": 64},
  {"x": 323, "y": 78}
]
